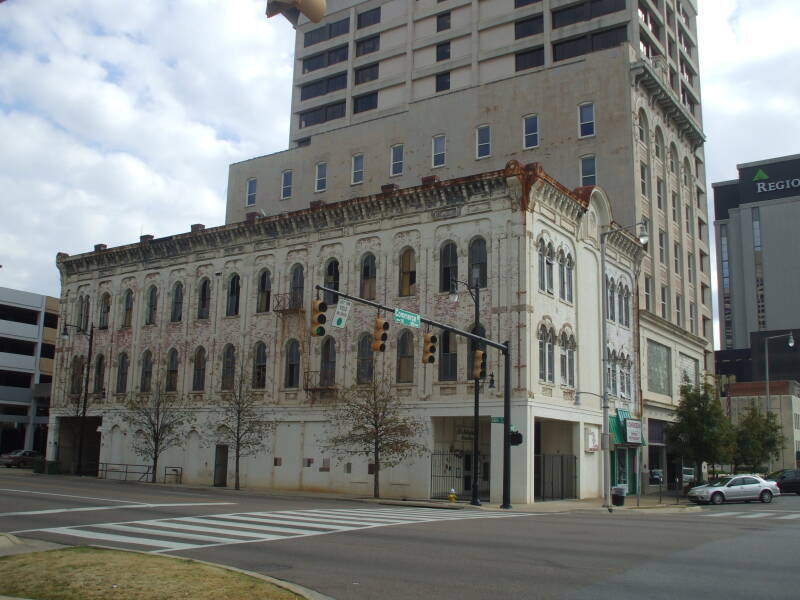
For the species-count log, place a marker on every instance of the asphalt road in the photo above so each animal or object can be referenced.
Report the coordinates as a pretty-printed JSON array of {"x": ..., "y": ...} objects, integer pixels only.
[{"x": 347, "y": 549}]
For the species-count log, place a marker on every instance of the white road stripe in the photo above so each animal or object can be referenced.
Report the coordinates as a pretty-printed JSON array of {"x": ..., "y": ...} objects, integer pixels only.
[
  {"x": 795, "y": 516},
  {"x": 94, "y": 535},
  {"x": 163, "y": 533},
  {"x": 70, "y": 496},
  {"x": 249, "y": 525},
  {"x": 187, "y": 527},
  {"x": 755, "y": 515},
  {"x": 254, "y": 519},
  {"x": 725, "y": 514},
  {"x": 51, "y": 511}
]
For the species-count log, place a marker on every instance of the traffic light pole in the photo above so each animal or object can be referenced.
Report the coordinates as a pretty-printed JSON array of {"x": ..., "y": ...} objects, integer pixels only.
[
  {"x": 476, "y": 412},
  {"x": 504, "y": 347}
]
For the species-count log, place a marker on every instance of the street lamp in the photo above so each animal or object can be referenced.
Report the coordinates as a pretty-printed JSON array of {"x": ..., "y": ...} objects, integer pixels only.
[
  {"x": 90, "y": 334},
  {"x": 790, "y": 343},
  {"x": 644, "y": 237},
  {"x": 475, "y": 293}
]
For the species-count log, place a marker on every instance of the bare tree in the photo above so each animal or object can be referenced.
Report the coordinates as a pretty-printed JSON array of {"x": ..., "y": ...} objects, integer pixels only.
[
  {"x": 162, "y": 419},
  {"x": 243, "y": 423},
  {"x": 369, "y": 420}
]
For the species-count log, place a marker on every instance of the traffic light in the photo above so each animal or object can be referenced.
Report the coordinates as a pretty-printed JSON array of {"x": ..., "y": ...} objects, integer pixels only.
[
  {"x": 514, "y": 438},
  {"x": 314, "y": 10},
  {"x": 429, "y": 349},
  {"x": 478, "y": 364},
  {"x": 318, "y": 318},
  {"x": 379, "y": 335}
]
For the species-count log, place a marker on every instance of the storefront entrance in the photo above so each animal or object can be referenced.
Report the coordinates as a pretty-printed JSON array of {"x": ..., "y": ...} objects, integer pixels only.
[{"x": 623, "y": 468}]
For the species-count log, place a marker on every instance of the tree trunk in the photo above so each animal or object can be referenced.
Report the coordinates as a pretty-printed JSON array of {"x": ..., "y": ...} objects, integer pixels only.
[
  {"x": 236, "y": 486},
  {"x": 155, "y": 469},
  {"x": 376, "y": 492}
]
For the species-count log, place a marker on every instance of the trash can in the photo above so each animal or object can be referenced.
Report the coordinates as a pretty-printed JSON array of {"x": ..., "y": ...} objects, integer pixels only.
[{"x": 618, "y": 495}]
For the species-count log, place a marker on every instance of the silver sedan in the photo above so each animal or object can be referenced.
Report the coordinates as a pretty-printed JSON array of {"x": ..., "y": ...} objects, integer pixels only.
[{"x": 735, "y": 488}]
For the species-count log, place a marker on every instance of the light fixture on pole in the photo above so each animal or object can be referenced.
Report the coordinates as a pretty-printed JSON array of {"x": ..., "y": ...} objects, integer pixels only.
[
  {"x": 475, "y": 293},
  {"x": 85, "y": 400},
  {"x": 790, "y": 343},
  {"x": 644, "y": 238}
]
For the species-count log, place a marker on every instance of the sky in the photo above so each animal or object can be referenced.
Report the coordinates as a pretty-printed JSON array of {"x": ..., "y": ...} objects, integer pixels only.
[{"x": 120, "y": 118}]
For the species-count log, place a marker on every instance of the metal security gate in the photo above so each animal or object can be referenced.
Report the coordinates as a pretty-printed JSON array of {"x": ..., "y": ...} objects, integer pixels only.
[
  {"x": 555, "y": 477},
  {"x": 453, "y": 471}
]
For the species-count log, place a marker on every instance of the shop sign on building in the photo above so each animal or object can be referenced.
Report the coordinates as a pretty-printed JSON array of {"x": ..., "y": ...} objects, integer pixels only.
[{"x": 633, "y": 431}]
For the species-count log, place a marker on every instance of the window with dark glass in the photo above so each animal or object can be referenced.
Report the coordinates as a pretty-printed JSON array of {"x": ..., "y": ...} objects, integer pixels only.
[
  {"x": 321, "y": 177},
  {"x": 297, "y": 287},
  {"x": 528, "y": 27},
  {"x": 326, "y": 32},
  {"x": 442, "y": 51},
  {"x": 599, "y": 40},
  {"x": 204, "y": 299},
  {"x": 322, "y": 114},
  {"x": 152, "y": 305},
  {"x": 368, "y": 45},
  {"x": 529, "y": 59},
  {"x": 146, "y": 378},
  {"x": 477, "y": 262},
  {"x": 176, "y": 315},
  {"x": 357, "y": 170},
  {"x": 588, "y": 171},
  {"x": 442, "y": 81},
  {"x": 448, "y": 266},
  {"x": 105, "y": 311},
  {"x": 396, "y": 160},
  {"x": 438, "y": 151},
  {"x": 364, "y": 369},
  {"x": 483, "y": 141},
  {"x": 99, "y": 374},
  {"x": 286, "y": 184},
  {"x": 234, "y": 288},
  {"x": 264, "y": 291},
  {"x": 408, "y": 273},
  {"x": 327, "y": 363},
  {"x": 405, "y": 357},
  {"x": 365, "y": 102},
  {"x": 530, "y": 131},
  {"x": 368, "y": 276},
  {"x": 171, "y": 384},
  {"x": 448, "y": 357},
  {"x": 199, "y": 371},
  {"x": 521, "y": 3},
  {"x": 127, "y": 308},
  {"x": 292, "y": 374},
  {"x": 122, "y": 373},
  {"x": 320, "y": 87},
  {"x": 368, "y": 17},
  {"x": 583, "y": 11},
  {"x": 325, "y": 59},
  {"x": 443, "y": 21},
  {"x": 228, "y": 367},
  {"x": 252, "y": 186},
  {"x": 260, "y": 366},
  {"x": 365, "y": 74},
  {"x": 332, "y": 281},
  {"x": 76, "y": 375}
]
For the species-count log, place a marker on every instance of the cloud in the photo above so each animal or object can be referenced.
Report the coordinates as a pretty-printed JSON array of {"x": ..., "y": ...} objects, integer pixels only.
[{"x": 120, "y": 119}]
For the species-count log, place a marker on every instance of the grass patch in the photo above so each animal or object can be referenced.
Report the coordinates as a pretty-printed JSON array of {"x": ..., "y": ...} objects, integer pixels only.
[{"x": 84, "y": 573}]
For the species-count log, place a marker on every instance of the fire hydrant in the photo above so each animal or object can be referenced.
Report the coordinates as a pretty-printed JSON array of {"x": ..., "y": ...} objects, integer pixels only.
[{"x": 452, "y": 495}]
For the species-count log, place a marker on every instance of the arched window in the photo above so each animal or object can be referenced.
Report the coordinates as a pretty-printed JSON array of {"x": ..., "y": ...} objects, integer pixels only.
[
  {"x": 569, "y": 268},
  {"x": 327, "y": 366},
  {"x": 171, "y": 384},
  {"x": 477, "y": 262},
  {"x": 232, "y": 306},
  {"x": 687, "y": 172},
  {"x": 292, "y": 377},
  {"x": 408, "y": 273},
  {"x": 260, "y": 366},
  {"x": 659, "y": 146},
  {"x": 176, "y": 315},
  {"x": 79, "y": 305},
  {"x": 297, "y": 290},
  {"x": 365, "y": 355},
  {"x": 627, "y": 307},
  {"x": 122, "y": 373},
  {"x": 547, "y": 338},
  {"x": 146, "y": 376},
  {"x": 644, "y": 131},
  {"x": 76, "y": 374},
  {"x": 448, "y": 266},
  {"x": 542, "y": 276},
  {"x": 673, "y": 158},
  {"x": 332, "y": 281},
  {"x": 99, "y": 374},
  {"x": 264, "y": 291},
  {"x": 473, "y": 345},
  {"x": 611, "y": 292},
  {"x": 84, "y": 306},
  {"x": 199, "y": 371},
  {"x": 152, "y": 305},
  {"x": 228, "y": 367},
  {"x": 204, "y": 299},
  {"x": 549, "y": 261},
  {"x": 567, "y": 347},
  {"x": 620, "y": 304},
  {"x": 127, "y": 308},
  {"x": 368, "y": 276},
  {"x": 405, "y": 358},
  {"x": 562, "y": 275},
  {"x": 105, "y": 310},
  {"x": 612, "y": 374},
  {"x": 448, "y": 357}
]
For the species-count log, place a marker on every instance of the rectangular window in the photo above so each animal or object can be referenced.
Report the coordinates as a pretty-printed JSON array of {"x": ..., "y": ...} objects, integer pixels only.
[
  {"x": 368, "y": 45},
  {"x": 483, "y": 141},
  {"x": 689, "y": 219},
  {"x": 659, "y": 368},
  {"x": 369, "y": 17},
  {"x": 676, "y": 257},
  {"x": 529, "y": 59},
  {"x": 662, "y": 247},
  {"x": 584, "y": 11},
  {"x": 521, "y": 3},
  {"x": 442, "y": 51},
  {"x": 599, "y": 40},
  {"x": 528, "y": 27},
  {"x": 324, "y": 59},
  {"x": 679, "y": 310},
  {"x": 365, "y": 102},
  {"x": 396, "y": 160},
  {"x": 438, "y": 150},
  {"x": 664, "y": 302},
  {"x": 530, "y": 131},
  {"x": 644, "y": 179},
  {"x": 286, "y": 185},
  {"x": 320, "y": 87},
  {"x": 690, "y": 267},
  {"x": 322, "y": 114},
  {"x": 321, "y": 180},
  {"x": 586, "y": 120},
  {"x": 443, "y": 21},
  {"x": 358, "y": 169},
  {"x": 251, "y": 192},
  {"x": 648, "y": 293},
  {"x": 660, "y": 193},
  {"x": 588, "y": 171},
  {"x": 693, "y": 317},
  {"x": 675, "y": 214},
  {"x": 326, "y": 32},
  {"x": 443, "y": 81},
  {"x": 365, "y": 74}
]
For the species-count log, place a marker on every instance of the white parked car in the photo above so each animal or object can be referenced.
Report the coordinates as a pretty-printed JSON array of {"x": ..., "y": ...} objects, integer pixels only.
[{"x": 736, "y": 488}]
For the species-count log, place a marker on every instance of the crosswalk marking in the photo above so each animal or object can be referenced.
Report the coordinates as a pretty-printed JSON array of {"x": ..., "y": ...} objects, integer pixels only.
[
  {"x": 768, "y": 514},
  {"x": 726, "y": 514},
  {"x": 187, "y": 533},
  {"x": 755, "y": 515},
  {"x": 795, "y": 516}
]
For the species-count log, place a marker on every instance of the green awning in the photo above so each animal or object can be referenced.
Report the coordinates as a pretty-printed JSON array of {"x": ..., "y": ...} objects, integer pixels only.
[{"x": 616, "y": 426}]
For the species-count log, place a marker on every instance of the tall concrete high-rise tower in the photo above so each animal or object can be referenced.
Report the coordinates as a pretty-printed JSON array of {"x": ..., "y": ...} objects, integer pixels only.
[{"x": 601, "y": 92}]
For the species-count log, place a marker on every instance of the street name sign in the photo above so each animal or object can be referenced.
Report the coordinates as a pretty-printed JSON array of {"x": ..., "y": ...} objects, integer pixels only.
[
  {"x": 342, "y": 312},
  {"x": 406, "y": 318},
  {"x": 497, "y": 419}
]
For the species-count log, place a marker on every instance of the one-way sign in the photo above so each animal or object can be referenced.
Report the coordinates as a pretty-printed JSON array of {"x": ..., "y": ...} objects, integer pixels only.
[{"x": 342, "y": 312}]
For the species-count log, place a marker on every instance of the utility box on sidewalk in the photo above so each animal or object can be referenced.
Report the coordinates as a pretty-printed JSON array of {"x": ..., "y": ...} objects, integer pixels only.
[{"x": 618, "y": 495}]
